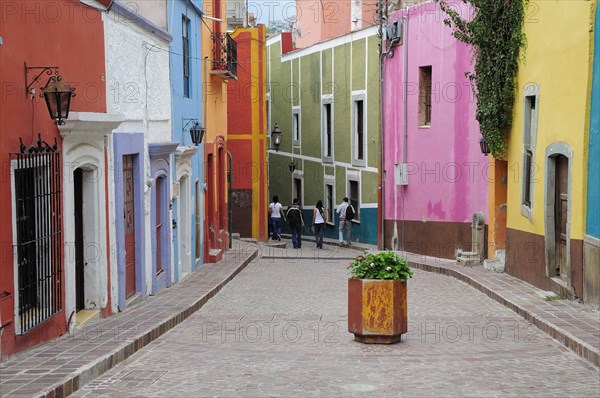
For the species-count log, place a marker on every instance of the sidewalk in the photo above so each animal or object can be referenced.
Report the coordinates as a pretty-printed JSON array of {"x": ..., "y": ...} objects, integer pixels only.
[
  {"x": 58, "y": 368},
  {"x": 569, "y": 322}
]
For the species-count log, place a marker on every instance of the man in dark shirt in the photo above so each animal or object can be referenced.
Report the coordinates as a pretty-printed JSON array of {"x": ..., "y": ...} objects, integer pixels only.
[{"x": 296, "y": 221}]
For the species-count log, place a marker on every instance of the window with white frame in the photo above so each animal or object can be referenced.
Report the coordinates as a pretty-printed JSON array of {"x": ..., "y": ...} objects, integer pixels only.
[
  {"x": 327, "y": 129},
  {"x": 185, "y": 34},
  {"x": 268, "y": 114},
  {"x": 358, "y": 130},
  {"x": 296, "y": 132},
  {"x": 37, "y": 236},
  {"x": 529, "y": 134},
  {"x": 297, "y": 188},
  {"x": 329, "y": 202},
  {"x": 354, "y": 197}
]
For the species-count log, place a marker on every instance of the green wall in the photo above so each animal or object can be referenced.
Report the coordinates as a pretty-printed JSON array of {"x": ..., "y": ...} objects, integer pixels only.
[{"x": 339, "y": 68}]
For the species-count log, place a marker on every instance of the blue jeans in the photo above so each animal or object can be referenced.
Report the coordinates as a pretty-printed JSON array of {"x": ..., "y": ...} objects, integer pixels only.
[
  {"x": 276, "y": 226},
  {"x": 319, "y": 234},
  {"x": 297, "y": 236}
]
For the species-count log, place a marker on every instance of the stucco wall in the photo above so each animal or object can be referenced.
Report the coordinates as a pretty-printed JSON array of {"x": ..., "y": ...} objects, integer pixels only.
[
  {"x": 336, "y": 70},
  {"x": 558, "y": 44},
  {"x": 593, "y": 184},
  {"x": 446, "y": 170}
]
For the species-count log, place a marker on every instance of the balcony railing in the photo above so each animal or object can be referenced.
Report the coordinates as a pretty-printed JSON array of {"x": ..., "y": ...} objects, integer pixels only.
[{"x": 224, "y": 56}]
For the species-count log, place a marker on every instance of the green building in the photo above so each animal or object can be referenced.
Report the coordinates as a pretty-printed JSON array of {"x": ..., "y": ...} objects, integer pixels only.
[{"x": 325, "y": 100}]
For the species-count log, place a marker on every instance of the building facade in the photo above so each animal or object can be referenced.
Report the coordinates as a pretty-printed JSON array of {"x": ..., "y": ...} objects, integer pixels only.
[
  {"x": 433, "y": 187},
  {"x": 219, "y": 53},
  {"x": 247, "y": 132},
  {"x": 187, "y": 197},
  {"x": 325, "y": 99},
  {"x": 591, "y": 240},
  {"x": 548, "y": 150},
  {"x": 38, "y": 282}
]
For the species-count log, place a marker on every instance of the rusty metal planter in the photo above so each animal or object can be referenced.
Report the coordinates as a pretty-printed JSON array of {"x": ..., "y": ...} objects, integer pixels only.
[{"x": 377, "y": 310}]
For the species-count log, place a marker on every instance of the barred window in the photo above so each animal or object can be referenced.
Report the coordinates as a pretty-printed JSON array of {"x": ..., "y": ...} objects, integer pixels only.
[{"x": 38, "y": 241}]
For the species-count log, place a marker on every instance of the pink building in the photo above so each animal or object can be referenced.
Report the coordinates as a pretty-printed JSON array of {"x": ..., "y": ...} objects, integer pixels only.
[
  {"x": 323, "y": 20},
  {"x": 436, "y": 176}
]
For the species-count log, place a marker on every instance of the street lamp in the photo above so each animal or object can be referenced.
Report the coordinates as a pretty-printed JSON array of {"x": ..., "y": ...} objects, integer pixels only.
[
  {"x": 276, "y": 137},
  {"x": 56, "y": 93},
  {"x": 196, "y": 131}
]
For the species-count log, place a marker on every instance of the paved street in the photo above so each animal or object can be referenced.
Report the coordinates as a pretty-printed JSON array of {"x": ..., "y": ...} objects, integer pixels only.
[{"x": 279, "y": 329}]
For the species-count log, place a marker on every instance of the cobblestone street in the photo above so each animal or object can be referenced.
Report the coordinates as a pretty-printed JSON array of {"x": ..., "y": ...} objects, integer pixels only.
[{"x": 279, "y": 329}]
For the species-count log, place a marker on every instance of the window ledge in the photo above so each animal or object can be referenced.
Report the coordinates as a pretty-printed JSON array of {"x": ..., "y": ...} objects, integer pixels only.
[
  {"x": 425, "y": 126},
  {"x": 527, "y": 212}
]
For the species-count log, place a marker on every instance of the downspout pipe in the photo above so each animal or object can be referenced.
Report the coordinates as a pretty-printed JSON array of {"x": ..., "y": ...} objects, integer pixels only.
[
  {"x": 381, "y": 218},
  {"x": 229, "y": 206}
]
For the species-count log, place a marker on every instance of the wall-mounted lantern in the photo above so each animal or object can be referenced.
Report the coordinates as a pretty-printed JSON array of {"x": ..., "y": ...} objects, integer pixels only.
[
  {"x": 56, "y": 93},
  {"x": 196, "y": 131},
  {"x": 276, "y": 137},
  {"x": 292, "y": 166}
]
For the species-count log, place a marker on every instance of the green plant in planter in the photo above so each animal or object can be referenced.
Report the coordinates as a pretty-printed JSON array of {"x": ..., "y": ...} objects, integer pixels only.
[{"x": 383, "y": 265}]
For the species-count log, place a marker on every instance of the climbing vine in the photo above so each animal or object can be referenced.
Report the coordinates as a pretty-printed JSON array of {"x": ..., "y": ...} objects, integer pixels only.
[{"x": 496, "y": 35}]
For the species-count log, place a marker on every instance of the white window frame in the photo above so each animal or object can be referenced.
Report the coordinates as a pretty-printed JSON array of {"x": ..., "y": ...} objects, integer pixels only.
[
  {"x": 46, "y": 181},
  {"x": 268, "y": 132},
  {"x": 327, "y": 100},
  {"x": 530, "y": 126},
  {"x": 354, "y": 176},
  {"x": 298, "y": 175},
  {"x": 296, "y": 127},
  {"x": 329, "y": 180},
  {"x": 359, "y": 96}
]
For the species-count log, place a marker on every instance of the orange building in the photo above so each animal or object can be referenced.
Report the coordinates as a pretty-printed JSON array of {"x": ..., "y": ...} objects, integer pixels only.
[
  {"x": 219, "y": 52},
  {"x": 247, "y": 130}
]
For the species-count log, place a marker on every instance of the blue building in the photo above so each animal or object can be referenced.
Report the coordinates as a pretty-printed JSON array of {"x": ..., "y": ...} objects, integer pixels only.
[
  {"x": 184, "y": 21},
  {"x": 591, "y": 245}
]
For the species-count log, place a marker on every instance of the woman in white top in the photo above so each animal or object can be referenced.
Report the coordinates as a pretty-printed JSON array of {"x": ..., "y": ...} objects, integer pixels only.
[
  {"x": 319, "y": 217},
  {"x": 276, "y": 212}
]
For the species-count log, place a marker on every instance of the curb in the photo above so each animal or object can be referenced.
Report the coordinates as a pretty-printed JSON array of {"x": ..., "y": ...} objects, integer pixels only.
[
  {"x": 103, "y": 364},
  {"x": 579, "y": 347}
]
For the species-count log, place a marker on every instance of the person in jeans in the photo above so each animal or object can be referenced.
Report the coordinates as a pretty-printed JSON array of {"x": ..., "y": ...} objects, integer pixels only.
[
  {"x": 294, "y": 217},
  {"x": 276, "y": 211},
  {"x": 319, "y": 217},
  {"x": 344, "y": 224}
]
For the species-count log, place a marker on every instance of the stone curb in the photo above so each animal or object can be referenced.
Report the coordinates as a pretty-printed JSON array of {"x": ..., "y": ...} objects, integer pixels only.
[
  {"x": 84, "y": 375},
  {"x": 579, "y": 347}
]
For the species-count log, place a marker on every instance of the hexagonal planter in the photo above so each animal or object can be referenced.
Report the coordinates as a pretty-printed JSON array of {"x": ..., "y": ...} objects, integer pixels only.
[{"x": 377, "y": 310}]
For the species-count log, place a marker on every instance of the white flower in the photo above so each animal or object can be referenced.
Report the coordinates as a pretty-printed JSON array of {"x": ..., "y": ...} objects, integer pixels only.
[
  {"x": 372, "y": 265},
  {"x": 389, "y": 268}
]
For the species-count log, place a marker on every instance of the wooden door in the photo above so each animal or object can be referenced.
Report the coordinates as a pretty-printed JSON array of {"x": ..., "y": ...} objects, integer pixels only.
[
  {"x": 560, "y": 214},
  {"x": 79, "y": 246},
  {"x": 129, "y": 222}
]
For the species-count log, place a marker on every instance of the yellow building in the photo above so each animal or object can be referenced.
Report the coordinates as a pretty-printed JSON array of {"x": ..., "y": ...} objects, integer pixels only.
[{"x": 539, "y": 191}]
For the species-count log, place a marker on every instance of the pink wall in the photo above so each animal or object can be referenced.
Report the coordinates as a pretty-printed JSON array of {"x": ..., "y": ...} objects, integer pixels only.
[{"x": 446, "y": 168}]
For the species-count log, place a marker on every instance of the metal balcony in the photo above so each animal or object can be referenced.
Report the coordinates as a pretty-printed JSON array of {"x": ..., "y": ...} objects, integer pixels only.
[{"x": 224, "y": 56}]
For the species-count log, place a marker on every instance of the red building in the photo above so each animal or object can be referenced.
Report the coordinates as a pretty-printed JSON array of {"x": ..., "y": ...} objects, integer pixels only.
[
  {"x": 67, "y": 37},
  {"x": 247, "y": 133}
]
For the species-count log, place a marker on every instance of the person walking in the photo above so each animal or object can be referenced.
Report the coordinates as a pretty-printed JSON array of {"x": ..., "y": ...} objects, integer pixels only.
[
  {"x": 276, "y": 212},
  {"x": 296, "y": 221},
  {"x": 346, "y": 212},
  {"x": 319, "y": 217}
]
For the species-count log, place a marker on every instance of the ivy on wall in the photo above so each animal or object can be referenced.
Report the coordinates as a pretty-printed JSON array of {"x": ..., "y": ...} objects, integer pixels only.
[{"x": 496, "y": 35}]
